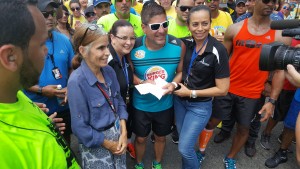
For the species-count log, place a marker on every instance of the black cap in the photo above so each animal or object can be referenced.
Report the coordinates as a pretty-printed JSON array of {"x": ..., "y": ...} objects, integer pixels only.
[
  {"x": 42, "y": 4},
  {"x": 89, "y": 9}
]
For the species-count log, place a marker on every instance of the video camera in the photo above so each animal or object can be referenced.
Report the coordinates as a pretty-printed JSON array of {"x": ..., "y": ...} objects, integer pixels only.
[{"x": 276, "y": 55}]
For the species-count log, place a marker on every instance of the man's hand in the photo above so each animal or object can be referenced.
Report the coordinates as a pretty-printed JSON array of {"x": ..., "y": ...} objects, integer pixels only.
[
  {"x": 42, "y": 106},
  {"x": 268, "y": 109},
  {"x": 58, "y": 122},
  {"x": 51, "y": 91},
  {"x": 170, "y": 87}
]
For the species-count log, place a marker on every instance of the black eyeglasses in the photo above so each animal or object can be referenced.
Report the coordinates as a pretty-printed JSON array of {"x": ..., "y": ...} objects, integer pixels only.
[
  {"x": 76, "y": 8},
  {"x": 184, "y": 8},
  {"x": 268, "y": 1},
  {"x": 47, "y": 13},
  {"x": 66, "y": 13},
  {"x": 90, "y": 14},
  {"x": 156, "y": 26},
  {"x": 125, "y": 38},
  {"x": 92, "y": 28}
]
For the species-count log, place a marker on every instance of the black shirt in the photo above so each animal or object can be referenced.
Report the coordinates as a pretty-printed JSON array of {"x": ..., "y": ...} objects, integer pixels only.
[
  {"x": 212, "y": 64},
  {"x": 117, "y": 66}
]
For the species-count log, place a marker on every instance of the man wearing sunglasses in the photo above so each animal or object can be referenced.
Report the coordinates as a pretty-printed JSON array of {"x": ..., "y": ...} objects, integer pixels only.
[
  {"x": 178, "y": 27},
  {"x": 57, "y": 67},
  {"x": 243, "y": 41},
  {"x": 90, "y": 15},
  {"x": 155, "y": 55},
  {"x": 122, "y": 12},
  {"x": 28, "y": 136},
  {"x": 101, "y": 7}
]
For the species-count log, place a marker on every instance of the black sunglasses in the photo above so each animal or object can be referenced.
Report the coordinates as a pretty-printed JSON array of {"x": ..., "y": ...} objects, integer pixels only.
[
  {"x": 156, "y": 26},
  {"x": 90, "y": 14},
  {"x": 46, "y": 14},
  {"x": 92, "y": 28},
  {"x": 184, "y": 8},
  {"x": 77, "y": 9},
  {"x": 122, "y": 0},
  {"x": 66, "y": 13},
  {"x": 268, "y": 1}
]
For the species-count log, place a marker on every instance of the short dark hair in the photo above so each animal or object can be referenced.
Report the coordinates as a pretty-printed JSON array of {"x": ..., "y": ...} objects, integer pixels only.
[
  {"x": 74, "y": 1},
  {"x": 17, "y": 24},
  {"x": 196, "y": 9},
  {"x": 117, "y": 24},
  {"x": 151, "y": 9}
]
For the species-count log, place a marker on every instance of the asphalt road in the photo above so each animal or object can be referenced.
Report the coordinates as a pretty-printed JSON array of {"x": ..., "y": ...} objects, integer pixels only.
[{"x": 215, "y": 154}]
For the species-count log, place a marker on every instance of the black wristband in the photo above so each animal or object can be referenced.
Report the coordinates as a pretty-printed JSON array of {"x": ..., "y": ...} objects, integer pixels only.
[{"x": 273, "y": 101}]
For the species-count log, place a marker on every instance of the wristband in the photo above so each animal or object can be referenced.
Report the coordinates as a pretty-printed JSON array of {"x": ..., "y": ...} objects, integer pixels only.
[
  {"x": 141, "y": 81},
  {"x": 175, "y": 84},
  {"x": 40, "y": 90}
]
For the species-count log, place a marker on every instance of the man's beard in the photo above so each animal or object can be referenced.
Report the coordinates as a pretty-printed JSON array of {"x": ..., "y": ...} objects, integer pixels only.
[{"x": 29, "y": 76}]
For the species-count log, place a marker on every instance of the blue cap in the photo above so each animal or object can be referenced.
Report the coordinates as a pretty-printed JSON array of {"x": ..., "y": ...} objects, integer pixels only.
[{"x": 96, "y": 2}]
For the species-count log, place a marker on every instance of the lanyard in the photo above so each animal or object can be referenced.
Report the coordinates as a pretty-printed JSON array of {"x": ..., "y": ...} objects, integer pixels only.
[
  {"x": 52, "y": 55},
  {"x": 195, "y": 54},
  {"x": 125, "y": 71},
  {"x": 107, "y": 98}
]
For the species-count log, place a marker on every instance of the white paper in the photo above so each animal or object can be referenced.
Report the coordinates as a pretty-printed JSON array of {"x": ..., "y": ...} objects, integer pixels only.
[{"x": 155, "y": 90}]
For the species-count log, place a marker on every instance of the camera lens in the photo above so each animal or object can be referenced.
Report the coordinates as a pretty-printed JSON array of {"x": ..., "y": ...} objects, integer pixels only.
[{"x": 286, "y": 55}]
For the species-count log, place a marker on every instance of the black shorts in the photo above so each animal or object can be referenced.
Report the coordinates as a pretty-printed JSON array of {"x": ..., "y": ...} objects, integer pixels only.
[
  {"x": 231, "y": 106},
  {"x": 283, "y": 104},
  {"x": 160, "y": 122},
  {"x": 67, "y": 120}
]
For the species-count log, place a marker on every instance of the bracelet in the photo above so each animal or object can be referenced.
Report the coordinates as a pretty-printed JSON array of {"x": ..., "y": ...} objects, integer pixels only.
[
  {"x": 40, "y": 90},
  {"x": 175, "y": 84},
  {"x": 141, "y": 81}
]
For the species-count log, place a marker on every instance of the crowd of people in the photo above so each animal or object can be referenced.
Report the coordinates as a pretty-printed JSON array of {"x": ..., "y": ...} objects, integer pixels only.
[{"x": 71, "y": 67}]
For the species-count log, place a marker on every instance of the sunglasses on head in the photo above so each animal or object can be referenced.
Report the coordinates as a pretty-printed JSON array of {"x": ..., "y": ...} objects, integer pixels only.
[
  {"x": 184, "y": 8},
  {"x": 92, "y": 28},
  {"x": 47, "y": 13},
  {"x": 77, "y": 9},
  {"x": 156, "y": 26},
  {"x": 268, "y": 1}
]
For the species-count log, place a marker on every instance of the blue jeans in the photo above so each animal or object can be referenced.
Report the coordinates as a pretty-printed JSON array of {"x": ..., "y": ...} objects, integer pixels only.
[{"x": 191, "y": 118}]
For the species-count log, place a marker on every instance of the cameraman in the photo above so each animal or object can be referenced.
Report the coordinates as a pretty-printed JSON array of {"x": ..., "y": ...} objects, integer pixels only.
[{"x": 290, "y": 121}]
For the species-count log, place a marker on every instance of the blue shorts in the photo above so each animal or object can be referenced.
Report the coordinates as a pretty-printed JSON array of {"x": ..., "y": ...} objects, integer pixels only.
[{"x": 291, "y": 117}]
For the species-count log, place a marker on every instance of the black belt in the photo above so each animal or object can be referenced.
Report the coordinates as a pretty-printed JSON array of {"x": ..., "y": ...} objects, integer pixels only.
[
  {"x": 107, "y": 127},
  {"x": 198, "y": 99}
]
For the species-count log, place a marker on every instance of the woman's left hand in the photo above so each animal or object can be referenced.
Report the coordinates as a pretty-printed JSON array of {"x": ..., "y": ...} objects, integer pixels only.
[
  {"x": 122, "y": 145},
  {"x": 183, "y": 91}
]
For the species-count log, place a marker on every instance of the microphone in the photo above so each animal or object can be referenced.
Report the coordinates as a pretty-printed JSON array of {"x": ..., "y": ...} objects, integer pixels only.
[{"x": 285, "y": 24}]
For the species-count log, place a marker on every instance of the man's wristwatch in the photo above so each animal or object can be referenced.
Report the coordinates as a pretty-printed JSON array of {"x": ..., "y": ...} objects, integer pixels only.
[
  {"x": 40, "y": 90},
  {"x": 273, "y": 101},
  {"x": 193, "y": 94}
]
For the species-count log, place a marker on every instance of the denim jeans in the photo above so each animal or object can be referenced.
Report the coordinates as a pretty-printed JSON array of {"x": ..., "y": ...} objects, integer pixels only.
[{"x": 191, "y": 118}]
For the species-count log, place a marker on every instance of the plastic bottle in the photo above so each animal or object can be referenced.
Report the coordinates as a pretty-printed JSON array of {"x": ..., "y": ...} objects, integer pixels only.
[{"x": 59, "y": 100}]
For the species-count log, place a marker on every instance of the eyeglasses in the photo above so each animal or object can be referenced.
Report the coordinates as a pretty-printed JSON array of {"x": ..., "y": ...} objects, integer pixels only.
[
  {"x": 156, "y": 26},
  {"x": 184, "y": 8},
  {"x": 209, "y": 1},
  {"x": 122, "y": 0},
  {"x": 66, "y": 14},
  {"x": 92, "y": 28},
  {"x": 90, "y": 14},
  {"x": 47, "y": 13},
  {"x": 76, "y": 8},
  {"x": 125, "y": 38},
  {"x": 285, "y": 7},
  {"x": 268, "y": 1}
]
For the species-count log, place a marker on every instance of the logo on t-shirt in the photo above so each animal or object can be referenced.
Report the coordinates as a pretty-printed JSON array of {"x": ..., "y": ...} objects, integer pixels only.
[
  {"x": 154, "y": 72},
  {"x": 139, "y": 54}
]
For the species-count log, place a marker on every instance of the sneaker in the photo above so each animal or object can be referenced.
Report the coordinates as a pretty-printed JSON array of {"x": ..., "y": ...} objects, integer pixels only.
[
  {"x": 130, "y": 150},
  {"x": 152, "y": 138},
  {"x": 229, "y": 163},
  {"x": 156, "y": 165},
  {"x": 221, "y": 136},
  {"x": 200, "y": 157},
  {"x": 250, "y": 149},
  {"x": 175, "y": 137},
  {"x": 265, "y": 141},
  {"x": 278, "y": 158},
  {"x": 139, "y": 166}
]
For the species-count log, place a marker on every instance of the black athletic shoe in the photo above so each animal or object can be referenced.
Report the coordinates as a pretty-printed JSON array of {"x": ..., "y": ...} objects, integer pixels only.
[
  {"x": 221, "y": 136},
  {"x": 278, "y": 158}
]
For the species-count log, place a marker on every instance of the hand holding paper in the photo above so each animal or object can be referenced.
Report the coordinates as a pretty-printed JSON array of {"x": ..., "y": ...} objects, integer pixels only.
[{"x": 156, "y": 89}]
